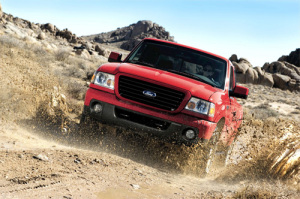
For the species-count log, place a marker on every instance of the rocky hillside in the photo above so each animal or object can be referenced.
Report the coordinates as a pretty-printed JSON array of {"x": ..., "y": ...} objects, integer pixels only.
[
  {"x": 278, "y": 74},
  {"x": 49, "y": 36},
  {"x": 129, "y": 36},
  {"x": 283, "y": 74}
]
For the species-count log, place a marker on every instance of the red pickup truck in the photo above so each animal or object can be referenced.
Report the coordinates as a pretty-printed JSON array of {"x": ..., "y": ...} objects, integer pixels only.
[{"x": 176, "y": 92}]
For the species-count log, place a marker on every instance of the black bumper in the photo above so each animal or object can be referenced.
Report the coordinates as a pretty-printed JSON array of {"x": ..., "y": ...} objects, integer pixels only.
[{"x": 141, "y": 123}]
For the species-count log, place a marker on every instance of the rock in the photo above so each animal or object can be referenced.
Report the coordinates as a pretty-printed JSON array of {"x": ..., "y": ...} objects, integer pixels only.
[
  {"x": 292, "y": 58},
  {"x": 77, "y": 161},
  {"x": 240, "y": 78},
  {"x": 41, "y": 36},
  {"x": 266, "y": 66},
  {"x": 135, "y": 186},
  {"x": 83, "y": 53},
  {"x": 267, "y": 80},
  {"x": 141, "y": 27},
  {"x": 50, "y": 27},
  {"x": 33, "y": 26},
  {"x": 130, "y": 44},
  {"x": 241, "y": 67},
  {"x": 251, "y": 76},
  {"x": 281, "y": 81},
  {"x": 41, "y": 157},
  {"x": 260, "y": 74},
  {"x": 292, "y": 67},
  {"x": 102, "y": 51},
  {"x": 233, "y": 58},
  {"x": 11, "y": 28},
  {"x": 68, "y": 35},
  {"x": 88, "y": 46},
  {"x": 284, "y": 69}
]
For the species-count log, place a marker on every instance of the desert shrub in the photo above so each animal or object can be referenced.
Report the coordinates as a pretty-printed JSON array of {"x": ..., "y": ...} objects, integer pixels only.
[
  {"x": 72, "y": 71},
  {"x": 10, "y": 42},
  {"x": 250, "y": 193},
  {"x": 39, "y": 50},
  {"x": 262, "y": 111},
  {"x": 76, "y": 90},
  {"x": 62, "y": 54}
]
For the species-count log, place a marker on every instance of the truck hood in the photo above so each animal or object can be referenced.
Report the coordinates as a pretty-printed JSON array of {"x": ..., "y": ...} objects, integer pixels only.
[{"x": 196, "y": 88}]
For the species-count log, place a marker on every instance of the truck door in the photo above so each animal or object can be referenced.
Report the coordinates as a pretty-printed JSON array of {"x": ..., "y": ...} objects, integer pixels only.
[{"x": 235, "y": 112}]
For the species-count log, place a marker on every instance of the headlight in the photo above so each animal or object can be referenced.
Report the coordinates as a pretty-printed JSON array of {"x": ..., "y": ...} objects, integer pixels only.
[
  {"x": 201, "y": 106},
  {"x": 104, "y": 79}
]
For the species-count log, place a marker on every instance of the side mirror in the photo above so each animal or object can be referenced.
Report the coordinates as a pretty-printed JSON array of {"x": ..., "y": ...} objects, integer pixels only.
[
  {"x": 114, "y": 57},
  {"x": 240, "y": 92}
]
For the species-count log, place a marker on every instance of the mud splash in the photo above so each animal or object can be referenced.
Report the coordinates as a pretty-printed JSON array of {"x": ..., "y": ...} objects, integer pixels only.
[{"x": 265, "y": 154}]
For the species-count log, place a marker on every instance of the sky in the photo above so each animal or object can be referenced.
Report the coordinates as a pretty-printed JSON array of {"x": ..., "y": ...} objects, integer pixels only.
[{"x": 258, "y": 30}]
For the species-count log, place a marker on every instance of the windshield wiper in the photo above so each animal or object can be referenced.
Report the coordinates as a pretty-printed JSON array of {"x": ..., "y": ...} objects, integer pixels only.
[
  {"x": 192, "y": 76},
  {"x": 143, "y": 63}
]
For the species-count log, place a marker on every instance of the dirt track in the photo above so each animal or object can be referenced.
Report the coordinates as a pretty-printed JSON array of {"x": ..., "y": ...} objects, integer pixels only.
[{"x": 42, "y": 155}]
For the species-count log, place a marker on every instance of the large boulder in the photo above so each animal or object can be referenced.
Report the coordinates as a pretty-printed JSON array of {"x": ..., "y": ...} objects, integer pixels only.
[
  {"x": 41, "y": 36},
  {"x": 264, "y": 78},
  {"x": 68, "y": 35},
  {"x": 244, "y": 70},
  {"x": 141, "y": 27},
  {"x": 293, "y": 67},
  {"x": 233, "y": 58},
  {"x": 294, "y": 85},
  {"x": 292, "y": 58},
  {"x": 102, "y": 51},
  {"x": 49, "y": 27},
  {"x": 241, "y": 67},
  {"x": 284, "y": 68},
  {"x": 267, "y": 80},
  {"x": 281, "y": 81},
  {"x": 251, "y": 76}
]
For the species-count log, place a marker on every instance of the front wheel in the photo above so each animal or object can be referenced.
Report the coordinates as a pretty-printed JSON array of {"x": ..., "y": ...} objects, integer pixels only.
[
  {"x": 87, "y": 125},
  {"x": 209, "y": 152}
]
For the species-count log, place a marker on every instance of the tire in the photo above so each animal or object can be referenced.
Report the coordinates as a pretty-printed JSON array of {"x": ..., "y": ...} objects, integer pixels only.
[
  {"x": 87, "y": 125},
  {"x": 224, "y": 154},
  {"x": 209, "y": 152}
]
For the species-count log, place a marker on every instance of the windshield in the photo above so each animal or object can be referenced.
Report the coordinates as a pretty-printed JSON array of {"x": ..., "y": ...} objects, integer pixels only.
[{"x": 183, "y": 61}]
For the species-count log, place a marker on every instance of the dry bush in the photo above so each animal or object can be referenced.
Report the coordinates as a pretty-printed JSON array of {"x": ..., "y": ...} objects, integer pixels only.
[
  {"x": 62, "y": 54},
  {"x": 250, "y": 193},
  {"x": 40, "y": 51},
  {"x": 262, "y": 111},
  {"x": 76, "y": 90},
  {"x": 10, "y": 42}
]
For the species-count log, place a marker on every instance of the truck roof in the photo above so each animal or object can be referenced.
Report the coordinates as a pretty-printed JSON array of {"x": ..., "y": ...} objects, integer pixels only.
[{"x": 185, "y": 46}]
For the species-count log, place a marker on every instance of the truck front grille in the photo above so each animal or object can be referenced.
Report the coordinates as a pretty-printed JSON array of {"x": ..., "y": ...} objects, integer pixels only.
[
  {"x": 159, "y": 97},
  {"x": 141, "y": 119}
]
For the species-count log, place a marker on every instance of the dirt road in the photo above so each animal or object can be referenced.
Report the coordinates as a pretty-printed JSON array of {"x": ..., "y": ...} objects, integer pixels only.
[{"x": 44, "y": 155}]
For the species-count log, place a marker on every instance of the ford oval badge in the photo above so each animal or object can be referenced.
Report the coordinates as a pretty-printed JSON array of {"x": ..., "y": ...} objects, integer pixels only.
[{"x": 149, "y": 93}]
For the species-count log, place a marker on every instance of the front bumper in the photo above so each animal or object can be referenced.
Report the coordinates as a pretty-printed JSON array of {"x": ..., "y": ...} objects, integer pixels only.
[{"x": 145, "y": 120}]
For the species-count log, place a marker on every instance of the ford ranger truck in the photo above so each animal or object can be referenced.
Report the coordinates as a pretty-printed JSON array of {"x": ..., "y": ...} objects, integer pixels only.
[{"x": 172, "y": 91}]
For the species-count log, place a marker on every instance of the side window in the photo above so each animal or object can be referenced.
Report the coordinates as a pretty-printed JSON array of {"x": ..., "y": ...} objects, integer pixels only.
[{"x": 232, "y": 79}]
